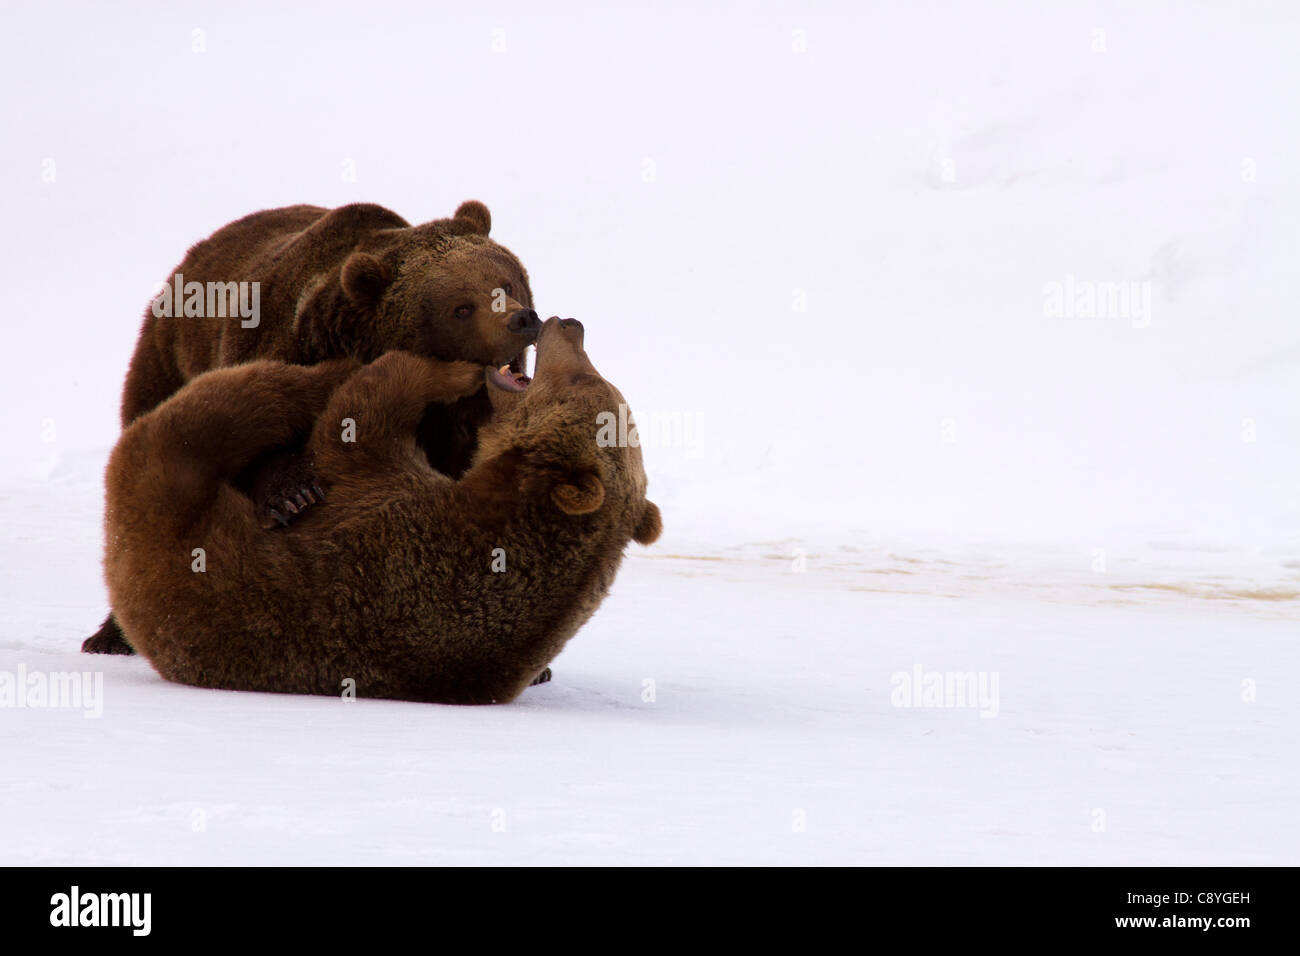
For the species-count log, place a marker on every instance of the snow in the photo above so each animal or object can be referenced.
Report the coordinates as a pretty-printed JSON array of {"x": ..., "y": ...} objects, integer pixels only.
[{"x": 823, "y": 275}]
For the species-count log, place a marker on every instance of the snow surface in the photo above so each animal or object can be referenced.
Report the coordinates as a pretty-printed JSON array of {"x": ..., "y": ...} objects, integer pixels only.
[{"x": 827, "y": 270}]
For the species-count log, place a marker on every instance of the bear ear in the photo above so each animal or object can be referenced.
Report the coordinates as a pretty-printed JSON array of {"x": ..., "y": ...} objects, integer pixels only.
[
  {"x": 475, "y": 215},
  {"x": 650, "y": 526},
  {"x": 583, "y": 495},
  {"x": 365, "y": 278}
]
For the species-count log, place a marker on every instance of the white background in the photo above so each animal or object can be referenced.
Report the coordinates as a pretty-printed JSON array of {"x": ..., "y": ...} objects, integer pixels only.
[{"x": 818, "y": 234}]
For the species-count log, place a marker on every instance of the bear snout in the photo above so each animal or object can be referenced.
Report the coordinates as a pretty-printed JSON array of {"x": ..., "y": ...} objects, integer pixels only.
[
  {"x": 525, "y": 321},
  {"x": 571, "y": 330},
  {"x": 561, "y": 340}
]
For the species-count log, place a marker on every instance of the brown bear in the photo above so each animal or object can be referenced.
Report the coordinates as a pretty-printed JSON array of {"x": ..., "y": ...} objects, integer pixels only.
[
  {"x": 422, "y": 587},
  {"x": 303, "y": 284}
]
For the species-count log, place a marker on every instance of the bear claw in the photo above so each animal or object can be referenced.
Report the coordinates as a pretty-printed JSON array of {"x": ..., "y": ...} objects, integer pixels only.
[{"x": 290, "y": 505}]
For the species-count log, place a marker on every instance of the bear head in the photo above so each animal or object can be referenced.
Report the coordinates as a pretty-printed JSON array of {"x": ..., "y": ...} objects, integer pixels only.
[
  {"x": 556, "y": 423},
  {"x": 444, "y": 290}
]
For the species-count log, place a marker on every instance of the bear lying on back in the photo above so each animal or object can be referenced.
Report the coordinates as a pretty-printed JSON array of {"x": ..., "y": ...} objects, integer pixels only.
[{"x": 421, "y": 587}]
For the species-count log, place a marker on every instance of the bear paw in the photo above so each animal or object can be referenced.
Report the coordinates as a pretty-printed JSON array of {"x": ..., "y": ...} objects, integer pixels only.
[
  {"x": 107, "y": 640},
  {"x": 284, "y": 508},
  {"x": 460, "y": 379}
]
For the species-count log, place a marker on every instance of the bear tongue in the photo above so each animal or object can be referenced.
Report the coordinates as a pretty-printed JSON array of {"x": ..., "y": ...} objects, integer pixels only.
[{"x": 507, "y": 378}]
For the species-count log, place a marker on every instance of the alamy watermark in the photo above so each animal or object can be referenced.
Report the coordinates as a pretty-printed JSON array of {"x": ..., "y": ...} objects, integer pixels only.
[
  {"x": 659, "y": 429},
  {"x": 1084, "y": 299},
  {"x": 946, "y": 689},
  {"x": 130, "y": 910},
  {"x": 57, "y": 690},
  {"x": 212, "y": 300}
]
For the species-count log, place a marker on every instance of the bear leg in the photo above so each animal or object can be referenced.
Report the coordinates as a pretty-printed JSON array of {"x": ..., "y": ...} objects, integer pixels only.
[
  {"x": 371, "y": 420},
  {"x": 109, "y": 639}
]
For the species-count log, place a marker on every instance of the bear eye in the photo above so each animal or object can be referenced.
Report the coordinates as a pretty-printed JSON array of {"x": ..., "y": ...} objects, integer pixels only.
[
  {"x": 464, "y": 311},
  {"x": 507, "y": 288}
]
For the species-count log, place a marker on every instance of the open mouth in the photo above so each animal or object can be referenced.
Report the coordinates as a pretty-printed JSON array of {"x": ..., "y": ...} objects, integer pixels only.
[{"x": 513, "y": 376}]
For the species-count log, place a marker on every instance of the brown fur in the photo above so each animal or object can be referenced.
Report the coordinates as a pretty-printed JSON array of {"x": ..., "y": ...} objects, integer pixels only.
[
  {"x": 356, "y": 282},
  {"x": 404, "y": 600}
]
